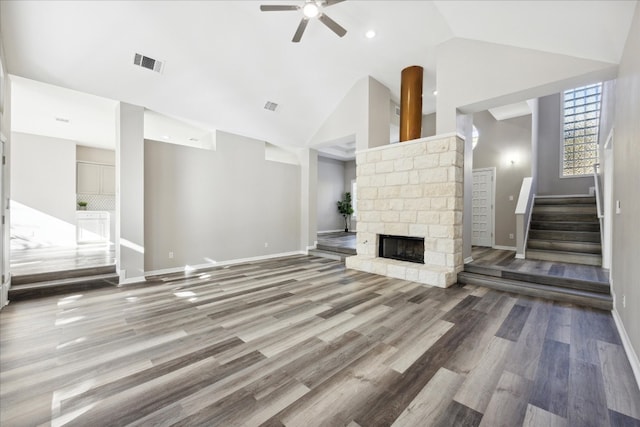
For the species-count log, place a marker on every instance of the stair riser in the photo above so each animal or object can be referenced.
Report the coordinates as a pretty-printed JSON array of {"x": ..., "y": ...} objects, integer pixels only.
[
  {"x": 346, "y": 251},
  {"x": 560, "y": 217},
  {"x": 565, "y": 226},
  {"x": 575, "y": 236},
  {"x": 586, "y": 259},
  {"x": 561, "y": 209},
  {"x": 60, "y": 275},
  {"x": 565, "y": 200},
  {"x": 547, "y": 294},
  {"x": 585, "y": 248}
]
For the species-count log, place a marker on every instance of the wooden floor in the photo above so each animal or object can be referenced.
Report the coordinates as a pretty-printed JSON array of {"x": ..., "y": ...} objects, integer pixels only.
[
  {"x": 301, "y": 341},
  {"x": 506, "y": 260},
  {"x": 45, "y": 259}
]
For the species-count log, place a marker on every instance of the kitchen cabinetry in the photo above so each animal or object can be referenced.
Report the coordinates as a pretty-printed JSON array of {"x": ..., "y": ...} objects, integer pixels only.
[
  {"x": 95, "y": 178},
  {"x": 92, "y": 227}
]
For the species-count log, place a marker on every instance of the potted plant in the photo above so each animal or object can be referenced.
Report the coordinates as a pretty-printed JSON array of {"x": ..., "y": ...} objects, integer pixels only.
[
  {"x": 345, "y": 209},
  {"x": 82, "y": 206}
]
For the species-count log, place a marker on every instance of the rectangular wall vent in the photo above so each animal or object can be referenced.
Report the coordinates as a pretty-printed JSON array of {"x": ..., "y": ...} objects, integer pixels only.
[
  {"x": 147, "y": 62},
  {"x": 271, "y": 106},
  {"x": 398, "y": 111}
]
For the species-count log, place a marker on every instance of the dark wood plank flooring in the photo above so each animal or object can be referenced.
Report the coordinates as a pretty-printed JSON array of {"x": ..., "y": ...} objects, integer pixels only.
[
  {"x": 300, "y": 341},
  {"x": 45, "y": 259}
]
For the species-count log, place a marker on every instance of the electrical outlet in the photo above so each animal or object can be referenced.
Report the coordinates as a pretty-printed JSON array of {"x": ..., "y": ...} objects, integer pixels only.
[
  {"x": 618, "y": 207},
  {"x": 624, "y": 301},
  {"x": 266, "y": 244},
  {"x": 511, "y": 236},
  {"x": 170, "y": 255},
  {"x": 511, "y": 198}
]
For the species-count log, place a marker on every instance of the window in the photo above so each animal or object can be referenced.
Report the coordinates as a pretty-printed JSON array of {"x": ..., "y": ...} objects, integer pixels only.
[{"x": 581, "y": 124}]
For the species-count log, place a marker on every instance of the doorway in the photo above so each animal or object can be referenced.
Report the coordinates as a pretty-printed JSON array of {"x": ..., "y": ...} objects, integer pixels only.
[{"x": 482, "y": 207}]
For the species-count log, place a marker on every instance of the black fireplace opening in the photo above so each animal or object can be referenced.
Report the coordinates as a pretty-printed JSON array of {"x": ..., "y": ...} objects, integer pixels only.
[{"x": 402, "y": 248}]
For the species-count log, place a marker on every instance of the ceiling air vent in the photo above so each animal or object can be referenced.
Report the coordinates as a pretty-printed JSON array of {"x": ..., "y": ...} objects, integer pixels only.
[
  {"x": 271, "y": 106},
  {"x": 148, "y": 63}
]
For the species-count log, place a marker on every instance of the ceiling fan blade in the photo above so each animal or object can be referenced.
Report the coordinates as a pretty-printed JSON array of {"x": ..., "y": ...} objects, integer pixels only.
[
  {"x": 333, "y": 25},
  {"x": 298, "y": 35},
  {"x": 276, "y": 8},
  {"x": 328, "y": 3}
]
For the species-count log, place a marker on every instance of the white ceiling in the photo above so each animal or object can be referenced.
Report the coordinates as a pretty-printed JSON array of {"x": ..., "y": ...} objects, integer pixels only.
[
  {"x": 225, "y": 59},
  {"x": 510, "y": 111}
]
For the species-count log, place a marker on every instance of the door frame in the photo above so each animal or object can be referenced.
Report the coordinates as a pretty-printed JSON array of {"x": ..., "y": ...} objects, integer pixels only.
[{"x": 493, "y": 202}]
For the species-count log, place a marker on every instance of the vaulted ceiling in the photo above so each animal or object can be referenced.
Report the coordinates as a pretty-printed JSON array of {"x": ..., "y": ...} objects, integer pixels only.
[{"x": 223, "y": 60}]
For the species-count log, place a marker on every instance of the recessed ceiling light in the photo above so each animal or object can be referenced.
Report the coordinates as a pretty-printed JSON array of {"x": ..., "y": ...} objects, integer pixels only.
[
  {"x": 435, "y": 92},
  {"x": 370, "y": 34},
  {"x": 310, "y": 10}
]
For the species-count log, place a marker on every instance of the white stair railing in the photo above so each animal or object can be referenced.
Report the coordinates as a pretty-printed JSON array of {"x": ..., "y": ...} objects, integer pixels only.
[
  {"x": 524, "y": 208},
  {"x": 599, "y": 204}
]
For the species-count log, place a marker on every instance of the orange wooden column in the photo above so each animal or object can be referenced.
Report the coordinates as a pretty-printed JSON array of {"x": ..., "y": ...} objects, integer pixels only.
[{"x": 411, "y": 103}]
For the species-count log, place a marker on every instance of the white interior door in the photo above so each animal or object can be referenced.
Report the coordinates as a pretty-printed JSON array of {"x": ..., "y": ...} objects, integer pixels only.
[{"x": 482, "y": 208}]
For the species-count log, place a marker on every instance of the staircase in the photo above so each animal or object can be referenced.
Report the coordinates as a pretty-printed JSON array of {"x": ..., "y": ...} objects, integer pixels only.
[
  {"x": 565, "y": 229},
  {"x": 40, "y": 285}
]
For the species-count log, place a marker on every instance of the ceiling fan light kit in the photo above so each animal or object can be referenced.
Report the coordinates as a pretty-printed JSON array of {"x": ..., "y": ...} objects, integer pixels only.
[{"x": 310, "y": 9}]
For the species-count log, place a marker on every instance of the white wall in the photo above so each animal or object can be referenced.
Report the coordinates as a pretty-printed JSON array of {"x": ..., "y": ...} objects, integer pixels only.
[
  {"x": 549, "y": 141},
  {"x": 331, "y": 182},
  {"x": 5, "y": 130},
  {"x": 43, "y": 183},
  {"x": 221, "y": 205},
  {"x": 95, "y": 155},
  {"x": 625, "y": 269},
  {"x": 474, "y": 76},
  {"x": 500, "y": 141}
]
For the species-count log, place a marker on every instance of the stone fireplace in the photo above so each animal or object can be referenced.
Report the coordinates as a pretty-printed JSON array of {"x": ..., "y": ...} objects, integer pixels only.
[{"x": 411, "y": 190}]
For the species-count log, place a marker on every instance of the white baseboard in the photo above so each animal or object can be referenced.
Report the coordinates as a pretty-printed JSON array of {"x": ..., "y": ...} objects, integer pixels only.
[
  {"x": 187, "y": 268},
  {"x": 504, "y": 248},
  {"x": 520, "y": 256},
  {"x": 330, "y": 231},
  {"x": 628, "y": 348},
  {"x": 468, "y": 260},
  {"x": 557, "y": 196}
]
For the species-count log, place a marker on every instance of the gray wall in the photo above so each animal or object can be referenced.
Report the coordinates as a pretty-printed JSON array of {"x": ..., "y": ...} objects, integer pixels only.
[
  {"x": 331, "y": 181},
  {"x": 549, "y": 140},
  {"x": 625, "y": 269},
  {"x": 334, "y": 179},
  {"x": 50, "y": 194},
  {"x": 500, "y": 141},
  {"x": 218, "y": 205},
  {"x": 428, "y": 125}
]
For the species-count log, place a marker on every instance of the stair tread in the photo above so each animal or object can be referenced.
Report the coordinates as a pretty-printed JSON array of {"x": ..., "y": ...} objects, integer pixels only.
[
  {"x": 62, "y": 282},
  {"x": 539, "y": 278},
  {"x": 563, "y": 252},
  {"x": 591, "y": 299}
]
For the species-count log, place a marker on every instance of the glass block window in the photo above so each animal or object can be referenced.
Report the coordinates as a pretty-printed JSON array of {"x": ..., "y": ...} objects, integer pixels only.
[{"x": 581, "y": 125}]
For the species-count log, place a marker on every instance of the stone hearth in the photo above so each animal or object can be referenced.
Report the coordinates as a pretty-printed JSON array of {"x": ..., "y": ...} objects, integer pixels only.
[{"x": 412, "y": 189}]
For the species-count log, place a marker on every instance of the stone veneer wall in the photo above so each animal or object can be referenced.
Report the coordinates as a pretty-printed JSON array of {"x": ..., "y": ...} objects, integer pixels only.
[{"x": 412, "y": 189}]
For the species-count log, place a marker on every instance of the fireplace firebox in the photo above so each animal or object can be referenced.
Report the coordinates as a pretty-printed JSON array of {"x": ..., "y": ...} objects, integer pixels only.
[{"x": 402, "y": 248}]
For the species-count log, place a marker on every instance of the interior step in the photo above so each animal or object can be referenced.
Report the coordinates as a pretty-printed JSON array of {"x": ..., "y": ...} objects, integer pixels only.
[
  {"x": 571, "y": 208},
  {"x": 565, "y": 246},
  {"x": 572, "y": 236},
  {"x": 60, "y": 275},
  {"x": 589, "y": 299},
  {"x": 570, "y": 257},
  {"x": 542, "y": 279},
  {"x": 565, "y": 200},
  {"x": 347, "y": 251},
  {"x": 61, "y": 286},
  {"x": 593, "y": 226},
  {"x": 337, "y": 256}
]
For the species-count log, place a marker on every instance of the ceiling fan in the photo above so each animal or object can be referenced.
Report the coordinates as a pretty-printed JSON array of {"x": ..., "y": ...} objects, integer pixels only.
[{"x": 310, "y": 9}]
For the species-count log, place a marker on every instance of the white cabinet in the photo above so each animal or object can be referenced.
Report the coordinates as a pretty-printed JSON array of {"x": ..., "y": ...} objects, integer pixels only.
[
  {"x": 92, "y": 226},
  {"x": 94, "y": 178}
]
